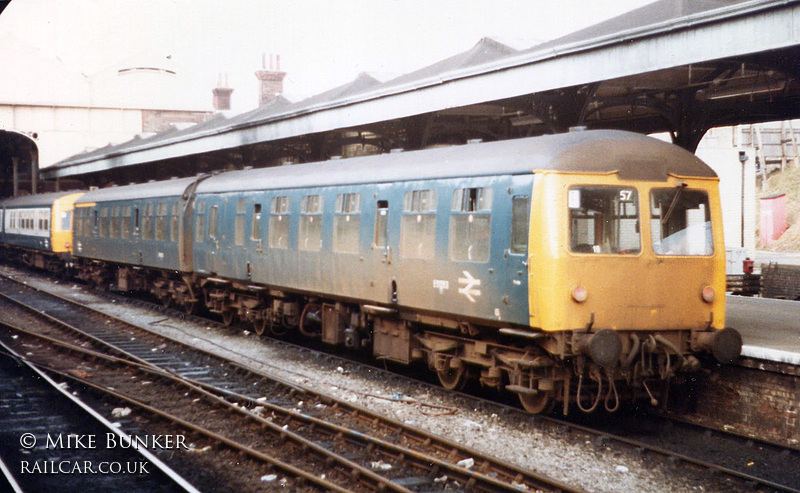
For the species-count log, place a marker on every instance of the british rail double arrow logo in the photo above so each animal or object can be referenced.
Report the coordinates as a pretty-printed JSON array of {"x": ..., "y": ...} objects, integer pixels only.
[{"x": 469, "y": 283}]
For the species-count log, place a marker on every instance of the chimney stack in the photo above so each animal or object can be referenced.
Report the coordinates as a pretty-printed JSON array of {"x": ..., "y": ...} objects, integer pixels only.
[
  {"x": 271, "y": 80},
  {"x": 222, "y": 94}
]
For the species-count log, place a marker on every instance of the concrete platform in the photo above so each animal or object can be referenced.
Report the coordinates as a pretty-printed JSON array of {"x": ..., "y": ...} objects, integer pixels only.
[{"x": 770, "y": 328}]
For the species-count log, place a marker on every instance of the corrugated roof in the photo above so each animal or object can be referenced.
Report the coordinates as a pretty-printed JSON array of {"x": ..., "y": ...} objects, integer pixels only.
[
  {"x": 486, "y": 50},
  {"x": 362, "y": 83},
  {"x": 489, "y": 71},
  {"x": 659, "y": 12}
]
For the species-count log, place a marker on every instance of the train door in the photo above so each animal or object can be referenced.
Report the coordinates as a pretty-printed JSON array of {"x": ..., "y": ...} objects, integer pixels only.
[
  {"x": 515, "y": 251},
  {"x": 200, "y": 250},
  {"x": 383, "y": 288},
  {"x": 136, "y": 237},
  {"x": 213, "y": 239}
]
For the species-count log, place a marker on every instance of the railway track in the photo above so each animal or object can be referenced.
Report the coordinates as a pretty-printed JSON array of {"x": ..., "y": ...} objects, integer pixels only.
[
  {"x": 50, "y": 441},
  {"x": 750, "y": 477},
  {"x": 381, "y": 454}
]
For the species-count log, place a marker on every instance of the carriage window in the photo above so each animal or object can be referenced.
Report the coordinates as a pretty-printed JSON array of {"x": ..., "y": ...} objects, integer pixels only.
[
  {"x": 470, "y": 224},
  {"x": 238, "y": 228},
  {"x": 680, "y": 222},
  {"x": 279, "y": 223},
  {"x": 126, "y": 221},
  {"x": 604, "y": 220},
  {"x": 256, "y": 222},
  {"x": 200, "y": 222},
  {"x": 115, "y": 222},
  {"x": 104, "y": 222},
  {"x": 173, "y": 224},
  {"x": 212, "y": 222},
  {"x": 81, "y": 222},
  {"x": 472, "y": 199},
  {"x": 520, "y": 217},
  {"x": 310, "y": 237},
  {"x": 161, "y": 221},
  {"x": 346, "y": 223},
  {"x": 147, "y": 222},
  {"x": 418, "y": 228},
  {"x": 381, "y": 216},
  {"x": 199, "y": 227}
]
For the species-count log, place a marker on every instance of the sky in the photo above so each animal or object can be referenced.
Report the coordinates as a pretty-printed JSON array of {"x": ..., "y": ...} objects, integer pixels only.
[{"x": 322, "y": 43}]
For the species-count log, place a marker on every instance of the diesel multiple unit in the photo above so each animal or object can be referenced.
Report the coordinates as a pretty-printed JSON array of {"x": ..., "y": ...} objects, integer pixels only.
[{"x": 580, "y": 268}]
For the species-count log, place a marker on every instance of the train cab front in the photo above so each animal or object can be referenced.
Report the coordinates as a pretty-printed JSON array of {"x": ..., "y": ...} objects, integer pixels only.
[{"x": 630, "y": 282}]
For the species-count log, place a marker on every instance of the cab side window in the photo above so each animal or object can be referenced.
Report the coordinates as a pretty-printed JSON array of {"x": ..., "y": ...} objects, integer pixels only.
[{"x": 520, "y": 219}]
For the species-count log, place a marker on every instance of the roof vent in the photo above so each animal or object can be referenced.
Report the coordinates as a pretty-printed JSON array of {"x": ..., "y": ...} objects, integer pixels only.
[
  {"x": 578, "y": 128},
  {"x": 336, "y": 158},
  {"x": 474, "y": 141},
  {"x": 397, "y": 151}
]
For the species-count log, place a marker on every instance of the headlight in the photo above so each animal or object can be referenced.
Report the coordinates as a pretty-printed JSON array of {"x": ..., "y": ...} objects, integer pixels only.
[
  {"x": 579, "y": 294},
  {"x": 708, "y": 294}
]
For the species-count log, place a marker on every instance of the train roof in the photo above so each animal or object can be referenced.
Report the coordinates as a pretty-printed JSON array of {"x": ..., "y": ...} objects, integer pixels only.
[
  {"x": 630, "y": 155},
  {"x": 40, "y": 200},
  {"x": 156, "y": 189}
]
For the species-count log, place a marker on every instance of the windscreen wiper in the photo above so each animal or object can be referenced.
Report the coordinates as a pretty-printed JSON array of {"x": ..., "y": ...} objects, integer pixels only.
[{"x": 678, "y": 193}]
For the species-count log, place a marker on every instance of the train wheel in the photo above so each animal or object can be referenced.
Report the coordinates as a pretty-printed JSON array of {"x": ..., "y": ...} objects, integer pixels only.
[
  {"x": 541, "y": 403},
  {"x": 260, "y": 325},
  {"x": 453, "y": 378},
  {"x": 227, "y": 317},
  {"x": 190, "y": 307}
]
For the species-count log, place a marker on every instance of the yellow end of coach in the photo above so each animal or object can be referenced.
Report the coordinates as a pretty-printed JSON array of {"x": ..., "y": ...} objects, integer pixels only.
[
  {"x": 626, "y": 254},
  {"x": 61, "y": 221}
]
